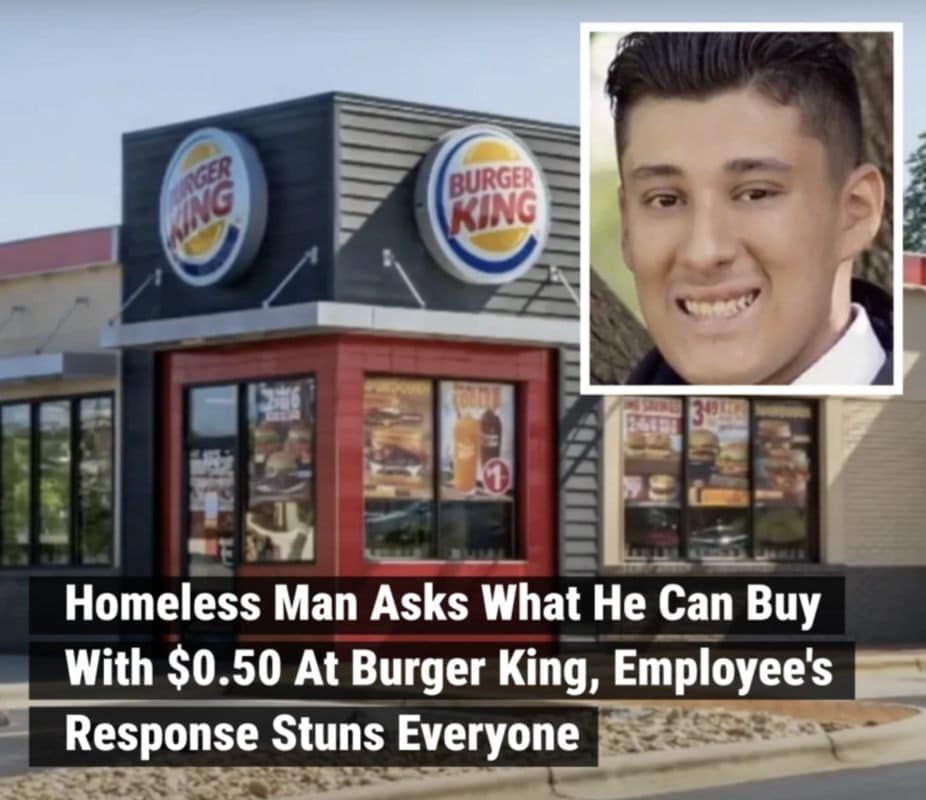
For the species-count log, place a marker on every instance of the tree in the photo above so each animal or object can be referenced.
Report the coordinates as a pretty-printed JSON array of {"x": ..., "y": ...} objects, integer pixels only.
[
  {"x": 914, "y": 211},
  {"x": 874, "y": 70}
]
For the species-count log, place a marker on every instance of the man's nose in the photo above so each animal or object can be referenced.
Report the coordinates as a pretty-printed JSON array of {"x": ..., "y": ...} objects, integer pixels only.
[{"x": 709, "y": 242}]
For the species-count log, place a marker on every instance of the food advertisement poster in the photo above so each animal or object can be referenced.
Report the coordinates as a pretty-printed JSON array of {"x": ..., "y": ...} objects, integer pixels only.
[
  {"x": 398, "y": 459},
  {"x": 282, "y": 425},
  {"x": 782, "y": 457},
  {"x": 652, "y": 435},
  {"x": 718, "y": 452},
  {"x": 477, "y": 441},
  {"x": 212, "y": 480}
]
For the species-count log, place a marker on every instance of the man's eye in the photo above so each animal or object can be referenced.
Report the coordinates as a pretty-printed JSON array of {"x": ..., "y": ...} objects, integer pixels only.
[
  {"x": 751, "y": 195},
  {"x": 662, "y": 201}
]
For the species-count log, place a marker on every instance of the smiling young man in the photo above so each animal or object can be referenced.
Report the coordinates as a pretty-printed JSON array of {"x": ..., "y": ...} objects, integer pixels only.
[{"x": 744, "y": 201}]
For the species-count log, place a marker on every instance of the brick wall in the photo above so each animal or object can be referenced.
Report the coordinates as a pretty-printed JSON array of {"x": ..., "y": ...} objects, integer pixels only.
[{"x": 885, "y": 481}]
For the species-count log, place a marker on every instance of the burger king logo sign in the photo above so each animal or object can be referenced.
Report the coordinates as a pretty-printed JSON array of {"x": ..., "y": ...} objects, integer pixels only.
[
  {"x": 482, "y": 205},
  {"x": 213, "y": 207}
]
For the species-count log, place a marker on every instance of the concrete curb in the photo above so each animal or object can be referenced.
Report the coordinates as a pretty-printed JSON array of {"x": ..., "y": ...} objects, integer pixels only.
[
  {"x": 629, "y": 774},
  {"x": 878, "y": 661}
]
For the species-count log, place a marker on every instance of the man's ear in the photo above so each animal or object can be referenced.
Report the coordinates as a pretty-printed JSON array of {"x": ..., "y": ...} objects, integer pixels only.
[
  {"x": 862, "y": 208},
  {"x": 622, "y": 204}
]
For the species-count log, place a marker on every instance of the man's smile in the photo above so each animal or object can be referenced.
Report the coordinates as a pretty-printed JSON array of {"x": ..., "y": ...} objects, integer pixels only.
[{"x": 724, "y": 305}]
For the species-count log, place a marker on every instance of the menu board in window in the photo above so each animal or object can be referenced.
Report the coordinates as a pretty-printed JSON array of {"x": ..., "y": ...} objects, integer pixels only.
[
  {"x": 282, "y": 433},
  {"x": 398, "y": 459},
  {"x": 781, "y": 457},
  {"x": 477, "y": 441},
  {"x": 279, "y": 520},
  {"x": 718, "y": 452},
  {"x": 652, "y": 436}
]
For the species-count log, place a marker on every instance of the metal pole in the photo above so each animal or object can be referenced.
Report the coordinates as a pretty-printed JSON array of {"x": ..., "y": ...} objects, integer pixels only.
[{"x": 389, "y": 260}]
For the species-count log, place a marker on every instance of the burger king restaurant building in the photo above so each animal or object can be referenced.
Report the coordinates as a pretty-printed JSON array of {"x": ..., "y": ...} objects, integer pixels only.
[{"x": 343, "y": 341}]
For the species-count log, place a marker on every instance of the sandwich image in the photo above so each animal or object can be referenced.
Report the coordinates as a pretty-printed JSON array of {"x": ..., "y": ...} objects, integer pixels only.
[
  {"x": 733, "y": 460},
  {"x": 386, "y": 417},
  {"x": 280, "y": 475},
  {"x": 299, "y": 442},
  {"x": 266, "y": 439},
  {"x": 397, "y": 450},
  {"x": 662, "y": 488},
  {"x": 774, "y": 437},
  {"x": 647, "y": 445},
  {"x": 635, "y": 444},
  {"x": 703, "y": 446}
]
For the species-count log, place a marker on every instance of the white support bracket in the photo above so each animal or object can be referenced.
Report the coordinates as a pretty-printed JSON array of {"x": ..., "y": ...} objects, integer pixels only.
[
  {"x": 153, "y": 277},
  {"x": 78, "y": 303},
  {"x": 390, "y": 262},
  {"x": 309, "y": 256},
  {"x": 556, "y": 274}
]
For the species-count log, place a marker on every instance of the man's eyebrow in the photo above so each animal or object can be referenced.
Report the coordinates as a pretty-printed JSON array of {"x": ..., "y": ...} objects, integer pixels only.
[
  {"x": 740, "y": 165},
  {"x": 656, "y": 171}
]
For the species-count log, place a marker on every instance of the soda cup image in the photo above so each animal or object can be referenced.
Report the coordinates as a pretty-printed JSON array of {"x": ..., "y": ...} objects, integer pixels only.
[{"x": 466, "y": 437}]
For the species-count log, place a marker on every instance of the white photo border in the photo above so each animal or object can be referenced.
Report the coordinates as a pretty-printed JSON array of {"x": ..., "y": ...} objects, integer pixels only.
[{"x": 586, "y": 29}]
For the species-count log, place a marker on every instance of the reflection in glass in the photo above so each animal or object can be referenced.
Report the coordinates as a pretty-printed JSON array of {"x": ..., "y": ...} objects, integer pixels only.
[
  {"x": 211, "y": 447},
  {"x": 476, "y": 531},
  {"x": 95, "y": 473},
  {"x": 54, "y": 482},
  {"x": 280, "y": 515},
  {"x": 399, "y": 529},
  {"x": 15, "y": 459},
  {"x": 398, "y": 467}
]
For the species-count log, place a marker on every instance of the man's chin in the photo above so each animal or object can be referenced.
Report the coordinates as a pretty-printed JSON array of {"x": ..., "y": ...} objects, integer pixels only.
[{"x": 715, "y": 374}]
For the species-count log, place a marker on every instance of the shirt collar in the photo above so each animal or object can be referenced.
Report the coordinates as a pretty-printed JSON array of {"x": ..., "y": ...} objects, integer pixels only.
[{"x": 855, "y": 359}]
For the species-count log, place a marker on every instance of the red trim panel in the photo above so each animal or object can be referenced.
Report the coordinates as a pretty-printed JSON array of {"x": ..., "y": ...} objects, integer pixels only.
[
  {"x": 339, "y": 364},
  {"x": 914, "y": 269},
  {"x": 59, "y": 251}
]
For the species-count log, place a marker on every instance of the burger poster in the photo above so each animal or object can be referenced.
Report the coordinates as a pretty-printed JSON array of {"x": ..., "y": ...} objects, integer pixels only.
[
  {"x": 397, "y": 455},
  {"x": 782, "y": 453},
  {"x": 477, "y": 441},
  {"x": 652, "y": 435},
  {"x": 282, "y": 416},
  {"x": 718, "y": 452}
]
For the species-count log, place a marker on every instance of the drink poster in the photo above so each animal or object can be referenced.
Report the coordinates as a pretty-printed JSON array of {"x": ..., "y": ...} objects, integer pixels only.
[
  {"x": 282, "y": 427},
  {"x": 652, "y": 436},
  {"x": 398, "y": 460},
  {"x": 477, "y": 441},
  {"x": 718, "y": 452}
]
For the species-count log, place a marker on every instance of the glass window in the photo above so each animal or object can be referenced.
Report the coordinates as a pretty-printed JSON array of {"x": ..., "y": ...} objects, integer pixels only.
[
  {"x": 280, "y": 514},
  {"x": 398, "y": 467},
  {"x": 477, "y": 436},
  {"x": 652, "y": 439},
  {"x": 474, "y": 474},
  {"x": 55, "y": 482},
  {"x": 718, "y": 477},
  {"x": 781, "y": 459},
  {"x": 211, "y": 454},
  {"x": 95, "y": 475},
  {"x": 742, "y": 490},
  {"x": 15, "y": 482}
]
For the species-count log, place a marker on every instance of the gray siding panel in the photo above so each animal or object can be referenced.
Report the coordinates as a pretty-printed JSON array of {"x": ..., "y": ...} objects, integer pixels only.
[{"x": 380, "y": 146}]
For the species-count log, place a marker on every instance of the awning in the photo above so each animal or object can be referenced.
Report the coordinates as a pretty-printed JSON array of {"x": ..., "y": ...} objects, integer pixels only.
[
  {"x": 57, "y": 366},
  {"x": 327, "y": 317}
]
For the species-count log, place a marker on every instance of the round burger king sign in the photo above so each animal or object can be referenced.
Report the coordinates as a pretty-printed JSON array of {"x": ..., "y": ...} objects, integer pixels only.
[
  {"x": 482, "y": 205},
  {"x": 213, "y": 207}
]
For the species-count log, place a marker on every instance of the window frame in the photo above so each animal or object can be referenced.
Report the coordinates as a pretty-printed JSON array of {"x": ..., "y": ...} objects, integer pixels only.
[
  {"x": 242, "y": 466},
  {"x": 813, "y": 511},
  {"x": 75, "y": 541},
  {"x": 516, "y": 542}
]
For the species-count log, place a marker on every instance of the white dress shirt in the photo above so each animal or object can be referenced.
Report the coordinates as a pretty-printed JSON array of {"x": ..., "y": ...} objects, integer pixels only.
[{"x": 855, "y": 358}]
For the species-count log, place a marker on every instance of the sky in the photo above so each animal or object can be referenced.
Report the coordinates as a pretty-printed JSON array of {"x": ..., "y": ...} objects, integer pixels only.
[{"x": 75, "y": 76}]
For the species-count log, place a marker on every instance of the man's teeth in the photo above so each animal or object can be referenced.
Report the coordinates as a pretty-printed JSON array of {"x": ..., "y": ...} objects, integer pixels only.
[{"x": 720, "y": 308}]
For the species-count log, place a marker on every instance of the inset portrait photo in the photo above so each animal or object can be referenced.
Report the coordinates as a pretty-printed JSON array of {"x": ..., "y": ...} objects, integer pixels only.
[{"x": 740, "y": 186}]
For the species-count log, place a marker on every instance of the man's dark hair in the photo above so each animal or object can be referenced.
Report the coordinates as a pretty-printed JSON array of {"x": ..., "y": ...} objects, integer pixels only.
[{"x": 813, "y": 71}]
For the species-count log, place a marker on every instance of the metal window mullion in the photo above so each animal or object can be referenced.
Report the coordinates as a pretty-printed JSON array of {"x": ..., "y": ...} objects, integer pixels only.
[
  {"x": 243, "y": 467},
  {"x": 751, "y": 512},
  {"x": 74, "y": 533},
  {"x": 683, "y": 521},
  {"x": 34, "y": 510},
  {"x": 435, "y": 464},
  {"x": 1, "y": 487}
]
